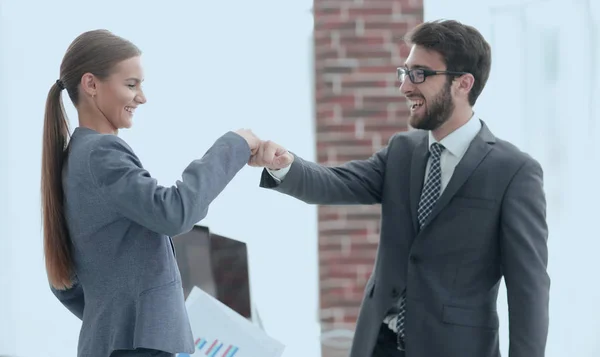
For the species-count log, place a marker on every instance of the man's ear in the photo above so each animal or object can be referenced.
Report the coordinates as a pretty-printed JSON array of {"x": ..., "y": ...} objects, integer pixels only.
[{"x": 465, "y": 84}]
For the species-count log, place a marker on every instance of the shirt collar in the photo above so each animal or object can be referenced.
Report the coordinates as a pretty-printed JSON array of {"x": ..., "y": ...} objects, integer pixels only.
[{"x": 458, "y": 141}]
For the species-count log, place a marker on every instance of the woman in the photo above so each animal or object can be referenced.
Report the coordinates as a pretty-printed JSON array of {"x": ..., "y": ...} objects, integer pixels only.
[{"x": 107, "y": 223}]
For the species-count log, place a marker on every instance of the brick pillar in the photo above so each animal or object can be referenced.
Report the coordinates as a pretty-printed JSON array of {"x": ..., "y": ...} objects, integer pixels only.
[{"x": 358, "y": 45}]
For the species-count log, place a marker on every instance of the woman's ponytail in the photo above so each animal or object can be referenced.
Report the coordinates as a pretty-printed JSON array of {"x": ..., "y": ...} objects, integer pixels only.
[{"x": 57, "y": 244}]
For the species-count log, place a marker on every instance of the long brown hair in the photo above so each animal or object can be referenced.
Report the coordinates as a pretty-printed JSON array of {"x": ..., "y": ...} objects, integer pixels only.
[{"x": 95, "y": 52}]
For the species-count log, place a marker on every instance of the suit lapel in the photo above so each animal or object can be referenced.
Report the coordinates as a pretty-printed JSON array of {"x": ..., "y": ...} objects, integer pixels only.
[
  {"x": 476, "y": 152},
  {"x": 417, "y": 173}
]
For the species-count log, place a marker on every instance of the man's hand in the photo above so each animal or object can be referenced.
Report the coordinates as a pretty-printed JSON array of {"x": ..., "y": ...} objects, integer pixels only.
[
  {"x": 252, "y": 140},
  {"x": 272, "y": 156}
]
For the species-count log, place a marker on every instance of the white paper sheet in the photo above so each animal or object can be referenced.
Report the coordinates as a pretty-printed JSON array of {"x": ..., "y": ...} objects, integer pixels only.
[{"x": 221, "y": 332}]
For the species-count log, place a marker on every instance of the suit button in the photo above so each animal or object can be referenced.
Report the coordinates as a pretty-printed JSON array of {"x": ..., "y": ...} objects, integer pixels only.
[
  {"x": 414, "y": 259},
  {"x": 395, "y": 293}
]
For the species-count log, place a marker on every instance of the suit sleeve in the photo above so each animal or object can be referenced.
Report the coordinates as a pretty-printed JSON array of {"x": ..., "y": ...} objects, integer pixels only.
[
  {"x": 355, "y": 182},
  {"x": 524, "y": 237},
  {"x": 135, "y": 194},
  {"x": 72, "y": 298}
]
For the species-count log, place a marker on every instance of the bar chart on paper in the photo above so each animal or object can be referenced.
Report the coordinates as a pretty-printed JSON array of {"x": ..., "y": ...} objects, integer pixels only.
[
  {"x": 221, "y": 332},
  {"x": 214, "y": 348}
]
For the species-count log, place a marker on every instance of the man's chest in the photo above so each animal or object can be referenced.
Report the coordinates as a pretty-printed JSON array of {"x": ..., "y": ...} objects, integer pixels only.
[
  {"x": 447, "y": 164},
  {"x": 469, "y": 201}
]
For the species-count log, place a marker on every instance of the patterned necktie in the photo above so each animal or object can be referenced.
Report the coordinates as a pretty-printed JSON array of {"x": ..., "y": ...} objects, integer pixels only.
[{"x": 429, "y": 196}]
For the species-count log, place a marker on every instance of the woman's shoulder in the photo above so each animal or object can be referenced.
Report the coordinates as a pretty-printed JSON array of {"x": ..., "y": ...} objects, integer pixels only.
[
  {"x": 100, "y": 152},
  {"x": 87, "y": 144},
  {"x": 92, "y": 140}
]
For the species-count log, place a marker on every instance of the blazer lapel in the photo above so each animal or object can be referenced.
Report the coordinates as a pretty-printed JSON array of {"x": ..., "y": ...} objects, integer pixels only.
[
  {"x": 477, "y": 151},
  {"x": 417, "y": 177}
]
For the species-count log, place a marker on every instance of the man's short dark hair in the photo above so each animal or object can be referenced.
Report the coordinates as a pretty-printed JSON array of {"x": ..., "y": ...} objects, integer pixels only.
[{"x": 462, "y": 47}]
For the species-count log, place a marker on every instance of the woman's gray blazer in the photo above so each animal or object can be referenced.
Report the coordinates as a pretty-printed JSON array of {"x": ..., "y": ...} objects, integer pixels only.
[{"x": 128, "y": 290}]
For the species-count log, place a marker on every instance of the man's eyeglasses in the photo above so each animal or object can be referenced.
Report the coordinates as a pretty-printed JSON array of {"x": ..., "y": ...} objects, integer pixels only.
[{"x": 418, "y": 75}]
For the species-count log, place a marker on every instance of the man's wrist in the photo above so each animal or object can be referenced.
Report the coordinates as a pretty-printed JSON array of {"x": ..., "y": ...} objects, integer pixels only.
[{"x": 279, "y": 174}]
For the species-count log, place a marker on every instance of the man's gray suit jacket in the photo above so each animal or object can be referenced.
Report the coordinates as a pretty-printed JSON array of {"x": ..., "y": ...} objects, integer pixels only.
[
  {"x": 489, "y": 223},
  {"x": 128, "y": 289}
]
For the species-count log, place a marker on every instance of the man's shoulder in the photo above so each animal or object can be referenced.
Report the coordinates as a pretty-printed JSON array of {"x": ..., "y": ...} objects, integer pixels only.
[
  {"x": 510, "y": 155},
  {"x": 410, "y": 137}
]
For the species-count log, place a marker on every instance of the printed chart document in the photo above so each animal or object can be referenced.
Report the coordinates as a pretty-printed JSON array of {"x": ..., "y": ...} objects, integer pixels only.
[{"x": 221, "y": 332}]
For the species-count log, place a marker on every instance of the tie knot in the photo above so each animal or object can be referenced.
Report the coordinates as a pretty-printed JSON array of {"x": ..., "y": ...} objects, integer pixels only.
[{"x": 436, "y": 149}]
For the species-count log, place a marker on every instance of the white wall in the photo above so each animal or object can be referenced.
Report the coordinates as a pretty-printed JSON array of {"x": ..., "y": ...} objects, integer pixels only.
[
  {"x": 211, "y": 66},
  {"x": 543, "y": 96},
  {"x": 7, "y": 334}
]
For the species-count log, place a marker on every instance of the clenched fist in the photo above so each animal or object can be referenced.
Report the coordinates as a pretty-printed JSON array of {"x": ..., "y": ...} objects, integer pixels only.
[
  {"x": 252, "y": 140},
  {"x": 271, "y": 156}
]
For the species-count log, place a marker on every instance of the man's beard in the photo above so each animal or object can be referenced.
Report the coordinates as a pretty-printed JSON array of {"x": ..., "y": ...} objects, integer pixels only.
[{"x": 438, "y": 111}]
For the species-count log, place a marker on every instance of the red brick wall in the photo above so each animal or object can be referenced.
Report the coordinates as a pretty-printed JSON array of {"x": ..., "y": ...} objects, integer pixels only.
[{"x": 358, "y": 45}]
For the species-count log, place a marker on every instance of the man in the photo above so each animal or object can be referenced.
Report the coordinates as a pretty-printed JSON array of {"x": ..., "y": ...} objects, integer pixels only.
[{"x": 460, "y": 210}]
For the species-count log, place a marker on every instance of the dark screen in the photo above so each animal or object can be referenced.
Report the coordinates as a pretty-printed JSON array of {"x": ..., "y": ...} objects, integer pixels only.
[{"x": 216, "y": 264}]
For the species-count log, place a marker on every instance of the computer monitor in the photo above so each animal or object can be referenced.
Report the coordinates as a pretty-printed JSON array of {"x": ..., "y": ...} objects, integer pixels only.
[{"x": 216, "y": 264}]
